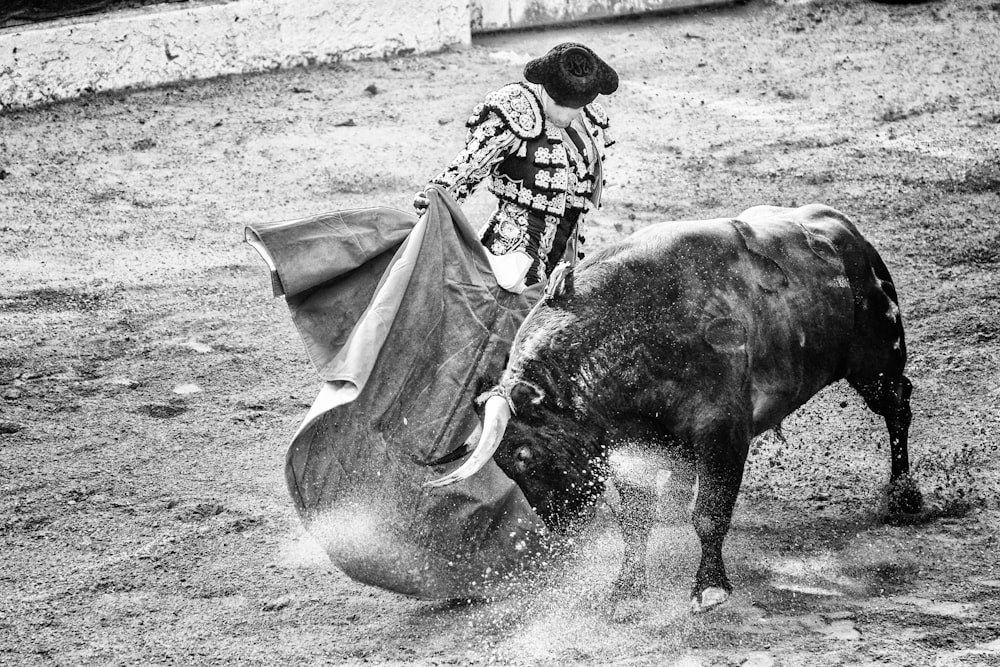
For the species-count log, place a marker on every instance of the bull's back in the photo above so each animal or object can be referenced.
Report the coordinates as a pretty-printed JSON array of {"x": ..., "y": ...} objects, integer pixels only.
[{"x": 769, "y": 289}]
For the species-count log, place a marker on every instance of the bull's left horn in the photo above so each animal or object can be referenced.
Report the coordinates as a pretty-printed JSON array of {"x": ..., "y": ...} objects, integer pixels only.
[{"x": 496, "y": 414}]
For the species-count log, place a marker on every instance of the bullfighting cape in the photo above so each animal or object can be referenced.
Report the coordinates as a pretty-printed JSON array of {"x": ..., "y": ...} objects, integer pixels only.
[{"x": 404, "y": 322}]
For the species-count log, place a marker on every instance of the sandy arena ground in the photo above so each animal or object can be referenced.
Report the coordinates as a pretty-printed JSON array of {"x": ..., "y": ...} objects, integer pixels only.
[{"x": 150, "y": 384}]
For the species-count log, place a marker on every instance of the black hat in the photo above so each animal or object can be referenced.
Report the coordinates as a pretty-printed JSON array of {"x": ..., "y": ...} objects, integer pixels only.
[{"x": 572, "y": 75}]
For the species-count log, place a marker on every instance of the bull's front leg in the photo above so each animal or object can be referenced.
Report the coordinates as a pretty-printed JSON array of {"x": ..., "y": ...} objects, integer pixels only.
[
  {"x": 720, "y": 473},
  {"x": 636, "y": 517}
]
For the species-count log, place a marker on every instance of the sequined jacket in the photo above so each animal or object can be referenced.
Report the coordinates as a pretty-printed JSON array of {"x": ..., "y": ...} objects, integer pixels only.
[{"x": 539, "y": 178}]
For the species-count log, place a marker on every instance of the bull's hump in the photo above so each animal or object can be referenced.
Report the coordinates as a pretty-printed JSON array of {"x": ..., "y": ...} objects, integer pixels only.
[
  {"x": 819, "y": 223},
  {"x": 666, "y": 234},
  {"x": 801, "y": 214}
]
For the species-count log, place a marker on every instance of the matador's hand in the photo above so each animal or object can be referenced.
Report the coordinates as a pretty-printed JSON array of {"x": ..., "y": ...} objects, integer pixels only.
[{"x": 420, "y": 202}]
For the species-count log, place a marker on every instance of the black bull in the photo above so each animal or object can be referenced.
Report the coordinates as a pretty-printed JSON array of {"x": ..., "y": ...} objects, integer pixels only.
[{"x": 696, "y": 336}]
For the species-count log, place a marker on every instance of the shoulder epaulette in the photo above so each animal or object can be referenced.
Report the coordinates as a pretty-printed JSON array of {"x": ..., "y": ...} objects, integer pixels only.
[
  {"x": 598, "y": 119},
  {"x": 516, "y": 106},
  {"x": 597, "y": 115}
]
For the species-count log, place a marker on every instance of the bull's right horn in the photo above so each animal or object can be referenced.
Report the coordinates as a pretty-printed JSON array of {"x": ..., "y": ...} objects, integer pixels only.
[{"x": 496, "y": 414}]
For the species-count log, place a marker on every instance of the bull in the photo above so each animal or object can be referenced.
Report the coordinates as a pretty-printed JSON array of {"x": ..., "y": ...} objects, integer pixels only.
[{"x": 694, "y": 337}]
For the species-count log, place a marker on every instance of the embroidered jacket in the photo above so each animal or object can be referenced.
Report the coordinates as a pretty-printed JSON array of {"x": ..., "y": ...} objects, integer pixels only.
[{"x": 537, "y": 174}]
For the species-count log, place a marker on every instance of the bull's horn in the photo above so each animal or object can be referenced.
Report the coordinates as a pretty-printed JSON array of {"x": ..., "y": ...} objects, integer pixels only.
[{"x": 496, "y": 414}]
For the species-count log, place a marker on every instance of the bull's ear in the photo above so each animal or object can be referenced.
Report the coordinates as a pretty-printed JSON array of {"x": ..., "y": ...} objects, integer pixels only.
[{"x": 560, "y": 281}]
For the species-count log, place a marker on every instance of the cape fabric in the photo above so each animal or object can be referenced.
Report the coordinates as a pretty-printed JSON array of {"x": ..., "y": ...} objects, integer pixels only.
[{"x": 406, "y": 326}]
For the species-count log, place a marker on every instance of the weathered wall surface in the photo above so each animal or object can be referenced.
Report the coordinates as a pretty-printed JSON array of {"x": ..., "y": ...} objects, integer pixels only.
[
  {"x": 144, "y": 48},
  {"x": 492, "y": 15}
]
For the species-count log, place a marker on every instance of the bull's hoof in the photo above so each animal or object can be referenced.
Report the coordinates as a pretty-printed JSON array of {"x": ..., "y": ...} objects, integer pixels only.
[
  {"x": 709, "y": 599},
  {"x": 626, "y": 611},
  {"x": 627, "y": 587},
  {"x": 903, "y": 498}
]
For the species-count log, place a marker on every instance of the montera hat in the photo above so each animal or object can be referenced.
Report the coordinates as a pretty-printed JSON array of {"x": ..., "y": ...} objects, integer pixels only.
[{"x": 572, "y": 75}]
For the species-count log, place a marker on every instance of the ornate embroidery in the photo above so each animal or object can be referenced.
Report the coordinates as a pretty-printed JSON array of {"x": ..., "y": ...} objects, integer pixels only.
[
  {"x": 579, "y": 162},
  {"x": 517, "y": 193},
  {"x": 511, "y": 190},
  {"x": 540, "y": 176},
  {"x": 507, "y": 229},
  {"x": 558, "y": 203},
  {"x": 517, "y": 106},
  {"x": 548, "y": 236},
  {"x": 552, "y": 180},
  {"x": 598, "y": 117},
  {"x": 550, "y": 156},
  {"x": 487, "y": 145}
]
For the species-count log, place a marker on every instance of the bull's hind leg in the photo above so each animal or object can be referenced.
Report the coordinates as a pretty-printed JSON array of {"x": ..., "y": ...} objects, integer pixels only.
[
  {"x": 889, "y": 396},
  {"x": 879, "y": 357}
]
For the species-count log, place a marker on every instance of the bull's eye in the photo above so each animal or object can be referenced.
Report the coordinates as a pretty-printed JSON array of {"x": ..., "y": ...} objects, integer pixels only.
[
  {"x": 526, "y": 393},
  {"x": 523, "y": 458}
]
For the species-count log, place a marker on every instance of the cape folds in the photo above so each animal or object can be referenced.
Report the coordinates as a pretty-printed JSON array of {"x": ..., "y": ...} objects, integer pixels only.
[{"x": 405, "y": 323}]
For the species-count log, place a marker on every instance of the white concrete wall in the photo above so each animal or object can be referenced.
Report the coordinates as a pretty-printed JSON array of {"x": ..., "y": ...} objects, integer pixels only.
[
  {"x": 491, "y": 15},
  {"x": 169, "y": 43}
]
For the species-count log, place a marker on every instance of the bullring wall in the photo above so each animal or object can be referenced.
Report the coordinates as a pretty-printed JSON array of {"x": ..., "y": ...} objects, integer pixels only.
[
  {"x": 165, "y": 43},
  {"x": 493, "y": 15}
]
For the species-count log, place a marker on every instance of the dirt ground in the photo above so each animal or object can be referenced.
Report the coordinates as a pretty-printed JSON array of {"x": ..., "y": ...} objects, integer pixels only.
[{"x": 150, "y": 383}]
